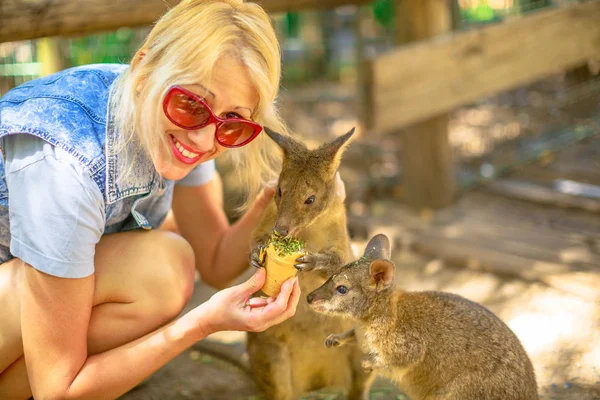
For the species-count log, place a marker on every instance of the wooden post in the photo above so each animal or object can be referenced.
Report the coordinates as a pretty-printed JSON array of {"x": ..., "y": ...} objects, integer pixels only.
[
  {"x": 49, "y": 55},
  {"x": 455, "y": 13},
  {"x": 426, "y": 153}
]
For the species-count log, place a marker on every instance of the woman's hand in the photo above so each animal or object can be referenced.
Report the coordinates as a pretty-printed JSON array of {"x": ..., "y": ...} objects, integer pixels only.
[
  {"x": 233, "y": 309},
  {"x": 258, "y": 207}
]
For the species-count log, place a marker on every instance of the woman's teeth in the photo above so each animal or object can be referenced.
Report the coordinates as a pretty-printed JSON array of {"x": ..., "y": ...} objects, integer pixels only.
[{"x": 183, "y": 151}]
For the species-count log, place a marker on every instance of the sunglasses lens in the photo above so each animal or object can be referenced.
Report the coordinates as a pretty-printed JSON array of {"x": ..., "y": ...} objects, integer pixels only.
[
  {"x": 234, "y": 134},
  {"x": 186, "y": 111}
]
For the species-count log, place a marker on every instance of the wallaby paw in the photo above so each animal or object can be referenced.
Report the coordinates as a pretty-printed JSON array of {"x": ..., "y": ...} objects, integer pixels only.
[
  {"x": 306, "y": 263},
  {"x": 257, "y": 256},
  {"x": 323, "y": 262},
  {"x": 332, "y": 340}
]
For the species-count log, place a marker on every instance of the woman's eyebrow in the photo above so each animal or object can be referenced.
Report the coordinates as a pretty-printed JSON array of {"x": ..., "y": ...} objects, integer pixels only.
[
  {"x": 245, "y": 108},
  {"x": 214, "y": 96},
  {"x": 206, "y": 90}
]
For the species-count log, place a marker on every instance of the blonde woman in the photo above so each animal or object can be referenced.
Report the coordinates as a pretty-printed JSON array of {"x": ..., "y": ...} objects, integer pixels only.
[{"x": 94, "y": 158}]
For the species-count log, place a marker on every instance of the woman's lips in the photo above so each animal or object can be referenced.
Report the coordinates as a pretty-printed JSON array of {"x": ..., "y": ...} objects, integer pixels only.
[{"x": 183, "y": 153}]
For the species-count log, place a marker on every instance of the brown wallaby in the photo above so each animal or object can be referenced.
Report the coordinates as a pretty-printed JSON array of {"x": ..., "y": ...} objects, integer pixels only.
[
  {"x": 289, "y": 359},
  {"x": 435, "y": 345}
]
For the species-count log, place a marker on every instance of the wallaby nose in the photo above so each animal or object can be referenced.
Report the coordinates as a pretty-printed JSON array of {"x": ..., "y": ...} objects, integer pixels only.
[
  {"x": 282, "y": 230},
  {"x": 310, "y": 298}
]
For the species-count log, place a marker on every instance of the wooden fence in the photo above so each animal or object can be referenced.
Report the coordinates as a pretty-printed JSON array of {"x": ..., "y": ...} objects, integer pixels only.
[
  {"x": 409, "y": 90},
  {"x": 25, "y": 19}
]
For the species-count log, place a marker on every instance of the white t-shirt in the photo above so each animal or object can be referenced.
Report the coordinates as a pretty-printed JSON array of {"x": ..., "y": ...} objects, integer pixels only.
[{"x": 56, "y": 210}]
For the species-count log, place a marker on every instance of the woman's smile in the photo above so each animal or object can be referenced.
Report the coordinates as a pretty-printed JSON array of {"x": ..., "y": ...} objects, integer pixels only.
[{"x": 184, "y": 153}]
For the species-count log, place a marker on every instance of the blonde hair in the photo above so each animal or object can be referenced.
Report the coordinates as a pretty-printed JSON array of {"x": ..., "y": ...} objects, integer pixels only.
[{"x": 182, "y": 48}]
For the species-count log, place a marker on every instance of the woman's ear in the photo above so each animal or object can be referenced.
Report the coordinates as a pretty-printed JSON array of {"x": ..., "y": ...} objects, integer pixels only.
[{"x": 137, "y": 59}]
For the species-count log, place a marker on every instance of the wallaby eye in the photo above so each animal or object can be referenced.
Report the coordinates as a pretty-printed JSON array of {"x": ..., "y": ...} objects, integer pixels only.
[
  {"x": 341, "y": 289},
  {"x": 278, "y": 191},
  {"x": 310, "y": 200}
]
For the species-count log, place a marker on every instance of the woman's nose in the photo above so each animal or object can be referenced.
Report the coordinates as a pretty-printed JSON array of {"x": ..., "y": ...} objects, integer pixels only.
[{"x": 203, "y": 138}]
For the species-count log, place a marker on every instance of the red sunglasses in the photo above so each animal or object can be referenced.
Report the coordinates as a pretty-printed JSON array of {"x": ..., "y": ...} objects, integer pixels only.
[{"x": 189, "y": 111}]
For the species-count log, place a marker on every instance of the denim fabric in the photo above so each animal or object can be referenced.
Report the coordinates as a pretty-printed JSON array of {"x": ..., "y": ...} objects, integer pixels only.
[
  {"x": 69, "y": 110},
  {"x": 56, "y": 209}
]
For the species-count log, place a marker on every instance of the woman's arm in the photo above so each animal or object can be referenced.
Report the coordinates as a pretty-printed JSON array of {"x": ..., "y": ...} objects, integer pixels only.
[
  {"x": 221, "y": 250},
  {"x": 55, "y": 316}
]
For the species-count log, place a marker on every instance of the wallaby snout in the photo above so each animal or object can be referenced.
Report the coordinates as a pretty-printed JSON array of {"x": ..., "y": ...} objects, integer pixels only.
[
  {"x": 320, "y": 294},
  {"x": 316, "y": 296},
  {"x": 316, "y": 300},
  {"x": 281, "y": 229}
]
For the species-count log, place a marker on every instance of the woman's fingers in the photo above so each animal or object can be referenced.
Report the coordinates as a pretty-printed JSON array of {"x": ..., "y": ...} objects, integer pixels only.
[
  {"x": 276, "y": 310},
  {"x": 292, "y": 304},
  {"x": 281, "y": 302},
  {"x": 257, "y": 301}
]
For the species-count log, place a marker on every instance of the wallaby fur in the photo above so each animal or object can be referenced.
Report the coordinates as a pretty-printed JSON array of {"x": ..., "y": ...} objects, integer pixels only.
[
  {"x": 289, "y": 359},
  {"x": 434, "y": 345}
]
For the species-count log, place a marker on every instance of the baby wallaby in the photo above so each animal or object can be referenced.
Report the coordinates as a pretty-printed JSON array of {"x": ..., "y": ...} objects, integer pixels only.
[
  {"x": 289, "y": 359},
  {"x": 434, "y": 345}
]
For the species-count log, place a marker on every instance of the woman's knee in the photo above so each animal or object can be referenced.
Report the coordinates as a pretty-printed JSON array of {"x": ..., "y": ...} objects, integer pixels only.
[{"x": 154, "y": 270}]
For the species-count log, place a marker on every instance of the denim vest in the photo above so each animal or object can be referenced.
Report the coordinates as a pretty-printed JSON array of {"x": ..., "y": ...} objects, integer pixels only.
[{"x": 70, "y": 110}]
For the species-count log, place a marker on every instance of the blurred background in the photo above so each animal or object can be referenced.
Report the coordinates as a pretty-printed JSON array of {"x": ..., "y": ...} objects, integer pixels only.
[{"x": 477, "y": 152}]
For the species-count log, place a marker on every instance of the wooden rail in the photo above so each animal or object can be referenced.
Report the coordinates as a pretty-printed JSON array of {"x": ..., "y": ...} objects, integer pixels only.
[
  {"x": 30, "y": 19},
  {"x": 420, "y": 81}
]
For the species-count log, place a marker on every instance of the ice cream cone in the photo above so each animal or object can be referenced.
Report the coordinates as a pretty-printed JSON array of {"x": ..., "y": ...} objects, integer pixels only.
[{"x": 278, "y": 269}]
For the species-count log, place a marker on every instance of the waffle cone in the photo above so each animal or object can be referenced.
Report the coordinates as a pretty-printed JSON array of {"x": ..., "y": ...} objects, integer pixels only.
[{"x": 278, "y": 269}]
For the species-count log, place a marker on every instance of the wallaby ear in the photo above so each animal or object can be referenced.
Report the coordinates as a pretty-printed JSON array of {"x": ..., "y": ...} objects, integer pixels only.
[
  {"x": 381, "y": 273},
  {"x": 378, "y": 247},
  {"x": 286, "y": 143},
  {"x": 333, "y": 150}
]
